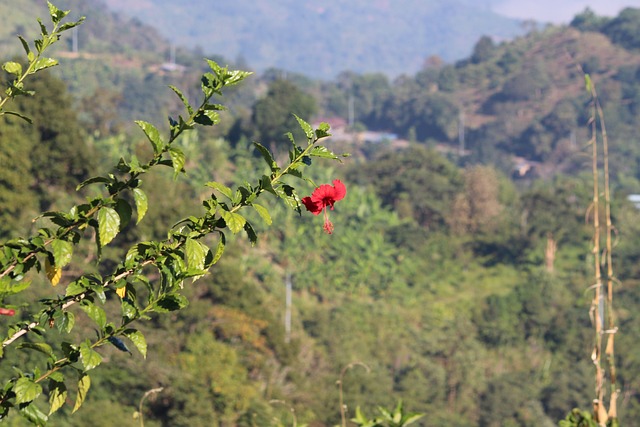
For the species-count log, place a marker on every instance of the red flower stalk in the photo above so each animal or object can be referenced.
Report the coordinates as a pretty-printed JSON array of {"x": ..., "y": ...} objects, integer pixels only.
[
  {"x": 323, "y": 196},
  {"x": 7, "y": 311}
]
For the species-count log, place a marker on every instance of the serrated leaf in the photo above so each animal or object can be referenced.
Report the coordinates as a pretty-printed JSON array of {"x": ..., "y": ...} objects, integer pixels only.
[
  {"x": 219, "y": 249},
  {"x": 62, "y": 251},
  {"x": 124, "y": 212},
  {"x": 141, "y": 203},
  {"x": 177, "y": 160},
  {"x": 26, "y": 390},
  {"x": 108, "y": 225},
  {"x": 263, "y": 212},
  {"x": 171, "y": 303},
  {"x": 234, "y": 221},
  {"x": 251, "y": 233},
  {"x": 53, "y": 273},
  {"x": 12, "y": 68},
  {"x": 83, "y": 388},
  {"x": 306, "y": 127},
  {"x": 43, "y": 63},
  {"x": 138, "y": 340},
  {"x": 67, "y": 322},
  {"x": 25, "y": 45},
  {"x": 95, "y": 179},
  {"x": 89, "y": 357},
  {"x": 207, "y": 118},
  {"x": 75, "y": 288},
  {"x": 323, "y": 130},
  {"x": 95, "y": 313},
  {"x": 226, "y": 191},
  {"x": 57, "y": 395},
  {"x": 321, "y": 151},
  {"x": 38, "y": 346},
  {"x": 182, "y": 98},
  {"x": 152, "y": 134},
  {"x": 196, "y": 253},
  {"x": 267, "y": 156},
  {"x": 32, "y": 413},
  {"x": 55, "y": 13}
]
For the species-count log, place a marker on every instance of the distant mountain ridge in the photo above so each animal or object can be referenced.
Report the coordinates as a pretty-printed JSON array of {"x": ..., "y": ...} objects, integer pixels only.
[{"x": 321, "y": 40}]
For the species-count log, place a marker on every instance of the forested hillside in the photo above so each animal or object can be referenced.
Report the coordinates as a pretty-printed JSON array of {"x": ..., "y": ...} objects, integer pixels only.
[
  {"x": 411, "y": 33},
  {"x": 458, "y": 277}
]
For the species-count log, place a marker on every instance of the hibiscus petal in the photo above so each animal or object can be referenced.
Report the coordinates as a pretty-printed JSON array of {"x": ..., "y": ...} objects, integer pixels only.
[
  {"x": 312, "y": 206},
  {"x": 323, "y": 194},
  {"x": 339, "y": 190}
]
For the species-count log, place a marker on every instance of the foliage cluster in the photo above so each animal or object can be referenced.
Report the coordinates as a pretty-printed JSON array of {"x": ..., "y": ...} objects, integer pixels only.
[{"x": 438, "y": 276}]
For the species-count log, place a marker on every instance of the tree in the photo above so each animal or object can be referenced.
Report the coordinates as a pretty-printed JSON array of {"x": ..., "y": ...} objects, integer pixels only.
[
  {"x": 483, "y": 50},
  {"x": 272, "y": 116},
  {"x": 60, "y": 156},
  {"x": 422, "y": 178}
]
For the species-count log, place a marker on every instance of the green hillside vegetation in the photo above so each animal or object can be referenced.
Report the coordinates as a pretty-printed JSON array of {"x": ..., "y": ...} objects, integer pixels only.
[{"x": 437, "y": 286}]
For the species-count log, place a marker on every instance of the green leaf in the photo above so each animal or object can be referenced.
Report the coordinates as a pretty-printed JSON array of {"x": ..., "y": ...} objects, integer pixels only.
[
  {"x": 221, "y": 188},
  {"x": 219, "y": 248},
  {"x": 57, "y": 395},
  {"x": 22, "y": 116},
  {"x": 182, "y": 98},
  {"x": 43, "y": 63},
  {"x": 108, "y": 225},
  {"x": 234, "y": 221},
  {"x": 89, "y": 357},
  {"x": 83, "y": 388},
  {"x": 94, "y": 180},
  {"x": 177, "y": 160},
  {"x": 171, "y": 303},
  {"x": 69, "y": 25},
  {"x": 67, "y": 322},
  {"x": 129, "y": 310},
  {"x": 124, "y": 212},
  {"x": 62, "y": 252},
  {"x": 196, "y": 253},
  {"x": 152, "y": 134},
  {"x": 251, "y": 233},
  {"x": 26, "y": 390},
  {"x": 207, "y": 118},
  {"x": 138, "y": 340},
  {"x": 321, "y": 151},
  {"x": 56, "y": 14},
  {"x": 141, "y": 203},
  {"x": 323, "y": 130},
  {"x": 267, "y": 156},
  {"x": 306, "y": 127},
  {"x": 95, "y": 313},
  {"x": 38, "y": 346},
  {"x": 263, "y": 212},
  {"x": 8, "y": 286},
  {"x": 12, "y": 68},
  {"x": 75, "y": 288},
  {"x": 32, "y": 413},
  {"x": 25, "y": 45}
]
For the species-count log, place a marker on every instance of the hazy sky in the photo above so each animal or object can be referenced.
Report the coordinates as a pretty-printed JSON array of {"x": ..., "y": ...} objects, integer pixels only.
[{"x": 559, "y": 11}]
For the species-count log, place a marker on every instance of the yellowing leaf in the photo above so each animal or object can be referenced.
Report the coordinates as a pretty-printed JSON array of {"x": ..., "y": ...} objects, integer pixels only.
[
  {"x": 57, "y": 396},
  {"x": 83, "y": 388},
  {"x": 54, "y": 274},
  {"x": 121, "y": 291}
]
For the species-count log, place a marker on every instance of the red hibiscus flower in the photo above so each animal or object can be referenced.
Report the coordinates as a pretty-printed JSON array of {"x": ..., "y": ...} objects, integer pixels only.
[{"x": 323, "y": 196}]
